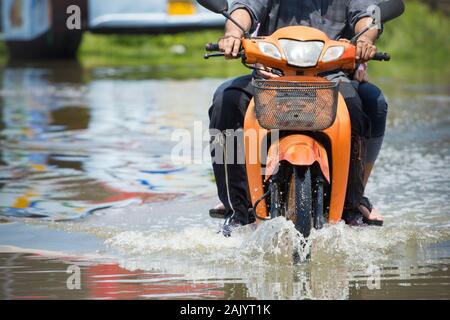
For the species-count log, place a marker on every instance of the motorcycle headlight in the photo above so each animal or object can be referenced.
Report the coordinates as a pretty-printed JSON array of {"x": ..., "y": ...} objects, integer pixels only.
[
  {"x": 269, "y": 49},
  {"x": 302, "y": 53},
  {"x": 333, "y": 53}
]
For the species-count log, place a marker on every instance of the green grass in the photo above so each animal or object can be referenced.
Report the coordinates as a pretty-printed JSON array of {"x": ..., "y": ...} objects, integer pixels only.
[
  {"x": 3, "y": 53},
  {"x": 179, "y": 55}
]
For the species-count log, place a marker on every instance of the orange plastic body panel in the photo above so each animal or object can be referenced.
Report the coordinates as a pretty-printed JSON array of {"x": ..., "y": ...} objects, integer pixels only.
[
  {"x": 340, "y": 138},
  {"x": 299, "y": 150},
  {"x": 254, "y": 55},
  {"x": 339, "y": 135}
]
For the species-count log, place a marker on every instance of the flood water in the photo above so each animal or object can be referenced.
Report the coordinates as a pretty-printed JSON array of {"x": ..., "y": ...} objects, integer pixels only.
[{"x": 87, "y": 180}]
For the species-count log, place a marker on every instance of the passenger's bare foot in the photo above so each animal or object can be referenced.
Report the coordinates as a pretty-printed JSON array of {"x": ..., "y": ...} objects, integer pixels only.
[{"x": 371, "y": 215}]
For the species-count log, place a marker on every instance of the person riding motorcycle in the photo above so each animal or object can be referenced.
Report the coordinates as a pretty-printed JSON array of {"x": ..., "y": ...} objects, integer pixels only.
[{"x": 339, "y": 19}]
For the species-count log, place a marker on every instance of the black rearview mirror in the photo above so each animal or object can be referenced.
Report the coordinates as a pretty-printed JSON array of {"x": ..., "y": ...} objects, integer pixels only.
[
  {"x": 221, "y": 6},
  {"x": 391, "y": 9},
  {"x": 216, "y": 6}
]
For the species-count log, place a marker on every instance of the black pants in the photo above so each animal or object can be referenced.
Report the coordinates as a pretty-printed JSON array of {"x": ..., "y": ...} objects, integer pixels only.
[{"x": 227, "y": 112}]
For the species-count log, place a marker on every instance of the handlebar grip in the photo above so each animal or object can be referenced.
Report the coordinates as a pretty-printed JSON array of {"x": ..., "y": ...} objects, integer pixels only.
[
  {"x": 212, "y": 47},
  {"x": 382, "y": 56}
]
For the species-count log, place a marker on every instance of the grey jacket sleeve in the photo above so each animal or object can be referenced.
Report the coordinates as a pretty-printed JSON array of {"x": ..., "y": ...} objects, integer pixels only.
[
  {"x": 358, "y": 9},
  {"x": 258, "y": 9}
]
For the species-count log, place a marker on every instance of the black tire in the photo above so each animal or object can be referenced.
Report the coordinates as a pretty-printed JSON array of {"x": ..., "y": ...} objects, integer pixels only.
[
  {"x": 318, "y": 202},
  {"x": 275, "y": 200},
  {"x": 299, "y": 202}
]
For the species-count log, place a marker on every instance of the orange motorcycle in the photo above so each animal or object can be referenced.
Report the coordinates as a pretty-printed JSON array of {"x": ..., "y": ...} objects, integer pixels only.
[{"x": 306, "y": 167}]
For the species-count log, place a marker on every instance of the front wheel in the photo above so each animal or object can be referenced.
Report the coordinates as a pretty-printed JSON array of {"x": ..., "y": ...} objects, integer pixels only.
[{"x": 299, "y": 201}]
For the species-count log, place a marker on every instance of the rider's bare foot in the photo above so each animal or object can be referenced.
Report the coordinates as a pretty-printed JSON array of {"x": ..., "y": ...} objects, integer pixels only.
[
  {"x": 219, "y": 211},
  {"x": 220, "y": 206}
]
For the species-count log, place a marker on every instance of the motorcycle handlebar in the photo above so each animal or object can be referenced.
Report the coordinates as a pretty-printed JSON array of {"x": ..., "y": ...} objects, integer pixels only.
[
  {"x": 382, "y": 56},
  {"x": 212, "y": 47}
]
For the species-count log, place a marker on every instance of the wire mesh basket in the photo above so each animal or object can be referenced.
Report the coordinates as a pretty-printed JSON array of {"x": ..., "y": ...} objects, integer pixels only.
[{"x": 292, "y": 105}]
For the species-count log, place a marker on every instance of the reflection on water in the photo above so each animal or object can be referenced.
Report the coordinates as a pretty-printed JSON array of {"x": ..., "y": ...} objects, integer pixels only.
[
  {"x": 20, "y": 279},
  {"x": 28, "y": 276},
  {"x": 71, "y": 147},
  {"x": 91, "y": 149}
]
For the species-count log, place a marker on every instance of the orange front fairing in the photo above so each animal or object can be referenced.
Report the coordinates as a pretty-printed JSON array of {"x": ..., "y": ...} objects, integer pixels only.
[
  {"x": 302, "y": 54},
  {"x": 299, "y": 150},
  {"x": 253, "y": 54}
]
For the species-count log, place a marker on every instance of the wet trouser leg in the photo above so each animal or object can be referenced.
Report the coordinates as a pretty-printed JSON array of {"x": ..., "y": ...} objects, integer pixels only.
[
  {"x": 226, "y": 115},
  {"x": 375, "y": 106}
]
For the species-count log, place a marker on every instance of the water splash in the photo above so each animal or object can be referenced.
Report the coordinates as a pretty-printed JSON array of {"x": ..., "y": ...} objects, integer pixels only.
[{"x": 273, "y": 243}]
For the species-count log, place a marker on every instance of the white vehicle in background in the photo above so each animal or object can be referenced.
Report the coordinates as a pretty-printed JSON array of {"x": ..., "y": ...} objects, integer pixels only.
[{"x": 38, "y": 28}]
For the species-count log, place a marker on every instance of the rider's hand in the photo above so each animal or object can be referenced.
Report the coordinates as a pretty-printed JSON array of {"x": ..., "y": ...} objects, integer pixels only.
[
  {"x": 361, "y": 74},
  {"x": 365, "y": 49},
  {"x": 264, "y": 71},
  {"x": 230, "y": 45}
]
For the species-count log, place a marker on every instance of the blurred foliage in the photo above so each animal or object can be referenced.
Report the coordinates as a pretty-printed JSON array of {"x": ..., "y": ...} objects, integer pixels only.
[
  {"x": 419, "y": 42},
  {"x": 179, "y": 55},
  {"x": 441, "y": 5},
  {"x": 3, "y": 53}
]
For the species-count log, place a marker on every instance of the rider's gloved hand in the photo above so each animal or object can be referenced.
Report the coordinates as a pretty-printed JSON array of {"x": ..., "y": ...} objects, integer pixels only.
[
  {"x": 365, "y": 49},
  {"x": 230, "y": 45}
]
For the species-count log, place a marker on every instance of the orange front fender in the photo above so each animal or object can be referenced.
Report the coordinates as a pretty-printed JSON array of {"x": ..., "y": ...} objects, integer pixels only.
[{"x": 299, "y": 150}]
